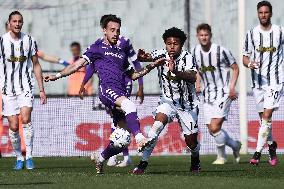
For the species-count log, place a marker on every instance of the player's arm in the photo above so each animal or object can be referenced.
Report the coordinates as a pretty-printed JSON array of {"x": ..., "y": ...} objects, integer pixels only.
[
  {"x": 38, "y": 74},
  {"x": 52, "y": 59},
  {"x": 137, "y": 74},
  {"x": 247, "y": 51},
  {"x": 89, "y": 73},
  {"x": 81, "y": 62},
  {"x": 233, "y": 82},
  {"x": 198, "y": 83}
]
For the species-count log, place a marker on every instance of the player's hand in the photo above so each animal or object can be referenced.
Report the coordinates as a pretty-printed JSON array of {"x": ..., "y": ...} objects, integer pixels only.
[
  {"x": 50, "y": 78},
  {"x": 43, "y": 98},
  {"x": 159, "y": 62},
  {"x": 198, "y": 89},
  {"x": 140, "y": 94},
  {"x": 82, "y": 92},
  {"x": 232, "y": 94},
  {"x": 142, "y": 56},
  {"x": 253, "y": 65},
  {"x": 171, "y": 63}
]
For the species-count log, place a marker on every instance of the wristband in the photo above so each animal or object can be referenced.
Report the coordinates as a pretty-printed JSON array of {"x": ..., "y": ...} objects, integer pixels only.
[
  {"x": 65, "y": 63},
  {"x": 58, "y": 75}
]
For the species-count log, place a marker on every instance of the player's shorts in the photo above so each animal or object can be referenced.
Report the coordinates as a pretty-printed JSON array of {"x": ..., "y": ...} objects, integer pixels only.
[
  {"x": 109, "y": 95},
  {"x": 11, "y": 105},
  {"x": 268, "y": 97},
  {"x": 218, "y": 109},
  {"x": 187, "y": 118}
]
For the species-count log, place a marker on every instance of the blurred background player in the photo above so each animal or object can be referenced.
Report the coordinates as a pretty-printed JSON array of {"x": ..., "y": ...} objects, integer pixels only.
[
  {"x": 213, "y": 63},
  {"x": 263, "y": 55},
  {"x": 177, "y": 82},
  {"x": 112, "y": 66},
  {"x": 18, "y": 64},
  {"x": 127, "y": 47}
]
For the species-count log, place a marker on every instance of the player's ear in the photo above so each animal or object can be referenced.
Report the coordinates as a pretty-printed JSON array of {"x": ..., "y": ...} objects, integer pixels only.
[{"x": 104, "y": 30}]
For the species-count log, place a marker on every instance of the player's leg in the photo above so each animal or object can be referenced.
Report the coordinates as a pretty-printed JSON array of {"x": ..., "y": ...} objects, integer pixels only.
[
  {"x": 163, "y": 116},
  {"x": 11, "y": 110},
  {"x": 188, "y": 123},
  {"x": 112, "y": 161}
]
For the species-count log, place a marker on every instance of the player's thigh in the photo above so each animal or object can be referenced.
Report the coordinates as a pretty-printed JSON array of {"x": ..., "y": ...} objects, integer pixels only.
[
  {"x": 25, "y": 101},
  {"x": 10, "y": 105},
  {"x": 272, "y": 97},
  {"x": 188, "y": 120},
  {"x": 164, "y": 113},
  {"x": 258, "y": 95}
]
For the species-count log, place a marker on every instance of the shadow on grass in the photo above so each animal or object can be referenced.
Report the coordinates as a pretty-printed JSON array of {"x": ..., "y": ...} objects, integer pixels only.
[{"x": 26, "y": 184}]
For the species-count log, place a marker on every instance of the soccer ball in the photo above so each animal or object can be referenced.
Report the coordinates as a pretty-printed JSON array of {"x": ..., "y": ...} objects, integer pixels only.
[{"x": 120, "y": 138}]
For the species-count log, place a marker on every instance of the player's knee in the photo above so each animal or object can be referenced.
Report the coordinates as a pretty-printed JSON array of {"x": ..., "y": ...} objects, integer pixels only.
[
  {"x": 128, "y": 106},
  {"x": 26, "y": 120},
  {"x": 191, "y": 141},
  {"x": 214, "y": 129}
]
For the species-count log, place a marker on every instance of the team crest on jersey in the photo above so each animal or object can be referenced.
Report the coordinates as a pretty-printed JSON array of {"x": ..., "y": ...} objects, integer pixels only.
[
  {"x": 17, "y": 59},
  {"x": 266, "y": 49},
  {"x": 207, "y": 69}
]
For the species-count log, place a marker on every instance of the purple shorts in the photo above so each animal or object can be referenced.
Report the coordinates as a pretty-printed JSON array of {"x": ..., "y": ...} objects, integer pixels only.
[{"x": 108, "y": 96}]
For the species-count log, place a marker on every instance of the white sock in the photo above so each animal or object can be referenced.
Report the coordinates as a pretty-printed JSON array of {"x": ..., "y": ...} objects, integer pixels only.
[
  {"x": 16, "y": 143},
  {"x": 229, "y": 141},
  {"x": 270, "y": 137},
  {"x": 101, "y": 158},
  {"x": 28, "y": 131},
  {"x": 220, "y": 139},
  {"x": 139, "y": 137},
  {"x": 263, "y": 133},
  {"x": 156, "y": 129}
]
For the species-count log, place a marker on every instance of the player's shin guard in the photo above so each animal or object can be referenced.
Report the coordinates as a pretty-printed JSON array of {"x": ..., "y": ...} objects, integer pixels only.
[
  {"x": 148, "y": 151},
  {"x": 263, "y": 134},
  {"x": 220, "y": 139},
  {"x": 16, "y": 143},
  {"x": 29, "y": 137}
]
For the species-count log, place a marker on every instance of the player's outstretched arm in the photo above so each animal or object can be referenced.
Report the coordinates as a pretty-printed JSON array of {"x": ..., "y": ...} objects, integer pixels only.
[
  {"x": 89, "y": 73},
  {"x": 68, "y": 70},
  {"x": 38, "y": 74},
  {"x": 142, "y": 56},
  {"x": 137, "y": 74},
  {"x": 52, "y": 59}
]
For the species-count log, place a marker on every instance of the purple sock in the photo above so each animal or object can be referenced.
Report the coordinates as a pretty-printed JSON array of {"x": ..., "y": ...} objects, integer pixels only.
[
  {"x": 132, "y": 122},
  {"x": 125, "y": 152},
  {"x": 111, "y": 151}
]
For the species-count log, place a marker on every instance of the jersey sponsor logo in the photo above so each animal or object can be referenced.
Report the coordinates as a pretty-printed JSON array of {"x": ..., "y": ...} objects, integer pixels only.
[
  {"x": 114, "y": 54},
  {"x": 266, "y": 49},
  {"x": 207, "y": 69},
  {"x": 20, "y": 59},
  {"x": 171, "y": 77}
]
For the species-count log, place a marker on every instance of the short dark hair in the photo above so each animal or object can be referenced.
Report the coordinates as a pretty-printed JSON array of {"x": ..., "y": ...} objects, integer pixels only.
[
  {"x": 109, "y": 18},
  {"x": 175, "y": 32},
  {"x": 75, "y": 43},
  {"x": 203, "y": 26},
  {"x": 103, "y": 18},
  {"x": 264, "y": 3},
  {"x": 14, "y": 13}
]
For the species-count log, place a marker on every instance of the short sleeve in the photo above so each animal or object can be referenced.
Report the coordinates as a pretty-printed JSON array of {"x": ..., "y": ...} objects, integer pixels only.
[{"x": 92, "y": 54}]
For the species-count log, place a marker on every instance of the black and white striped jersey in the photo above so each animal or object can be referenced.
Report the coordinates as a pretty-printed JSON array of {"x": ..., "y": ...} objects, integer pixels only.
[
  {"x": 16, "y": 67},
  {"x": 214, "y": 69},
  {"x": 266, "y": 48},
  {"x": 181, "y": 93}
]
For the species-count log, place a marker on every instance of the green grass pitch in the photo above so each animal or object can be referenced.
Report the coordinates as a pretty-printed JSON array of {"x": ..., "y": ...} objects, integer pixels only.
[{"x": 163, "y": 172}]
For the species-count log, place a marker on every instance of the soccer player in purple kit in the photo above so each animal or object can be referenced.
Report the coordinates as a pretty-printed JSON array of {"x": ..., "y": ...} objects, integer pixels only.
[
  {"x": 127, "y": 47},
  {"x": 112, "y": 67}
]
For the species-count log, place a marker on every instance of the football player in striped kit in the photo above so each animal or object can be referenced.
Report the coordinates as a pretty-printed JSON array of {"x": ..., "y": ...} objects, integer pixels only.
[
  {"x": 263, "y": 55},
  {"x": 178, "y": 99},
  {"x": 19, "y": 68},
  {"x": 213, "y": 63}
]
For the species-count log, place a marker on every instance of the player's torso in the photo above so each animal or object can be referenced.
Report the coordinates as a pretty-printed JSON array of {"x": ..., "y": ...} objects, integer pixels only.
[
  {"x": 268, "y": 51},
  {"x": 214, "y": 70},
  {"x": 173, "y": 89},
  {"x": 17, "y": 67}
]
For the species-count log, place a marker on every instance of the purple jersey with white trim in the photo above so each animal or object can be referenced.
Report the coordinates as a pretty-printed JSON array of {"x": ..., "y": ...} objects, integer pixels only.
[{"x": 110, "y": 63}]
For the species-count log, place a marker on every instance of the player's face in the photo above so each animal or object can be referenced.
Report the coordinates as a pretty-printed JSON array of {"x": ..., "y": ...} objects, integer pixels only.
[
  {"x": 76, "y": 51},
  {"x": 112, "y": 32},
  {"x": 16, "y": 23},
  {"x": 173, "y": 46},
  {"x": 204, "y": 37},
  {"x": 264, "y": 15}
]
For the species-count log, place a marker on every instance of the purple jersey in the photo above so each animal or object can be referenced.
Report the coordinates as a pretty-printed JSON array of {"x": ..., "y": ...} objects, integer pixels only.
[{"x": 110, "y": 63}]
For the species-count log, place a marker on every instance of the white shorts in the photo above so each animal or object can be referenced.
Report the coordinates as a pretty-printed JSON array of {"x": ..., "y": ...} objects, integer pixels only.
[
  {"x": 11, "y": 105},
  {"x": 187, "y": 119},
  {"x": 218, "y": 109},
  {"x": 268, "y": 97}
]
